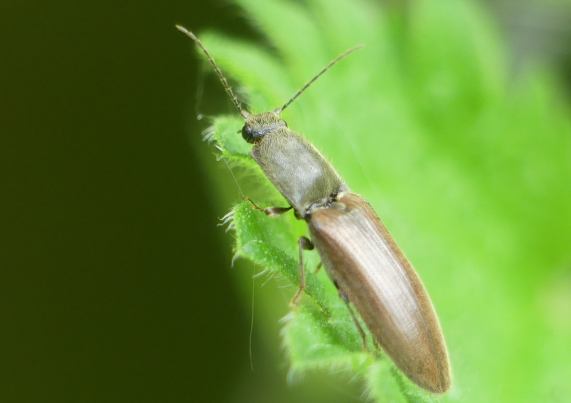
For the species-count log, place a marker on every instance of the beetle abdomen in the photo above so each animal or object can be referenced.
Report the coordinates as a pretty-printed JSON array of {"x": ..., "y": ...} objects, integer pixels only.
[{"x": 365, "y": 262}]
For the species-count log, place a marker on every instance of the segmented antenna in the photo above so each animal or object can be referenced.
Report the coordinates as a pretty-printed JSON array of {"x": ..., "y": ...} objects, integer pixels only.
[
  {"x": 223, "y": 80},
  {"x": 323, "y": 70}
]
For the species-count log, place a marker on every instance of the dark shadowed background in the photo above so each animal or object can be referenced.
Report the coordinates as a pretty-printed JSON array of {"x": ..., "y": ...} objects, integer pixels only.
[
  {"x": 116, "y": 283},
  {"x": 112, "y": 245}
]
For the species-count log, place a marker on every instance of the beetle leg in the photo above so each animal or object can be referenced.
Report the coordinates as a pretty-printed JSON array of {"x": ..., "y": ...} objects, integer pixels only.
[
  {"x": 376, "y": 344},
  {"x": 318, "y": 267},
  {"x": 304, "y": 244},
  {"x": 269, "y": 211},
  {"x": 345, "y": 299}
]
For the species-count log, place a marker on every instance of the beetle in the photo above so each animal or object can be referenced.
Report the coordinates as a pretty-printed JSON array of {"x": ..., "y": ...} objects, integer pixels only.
[{"x": 360, "y": 256}]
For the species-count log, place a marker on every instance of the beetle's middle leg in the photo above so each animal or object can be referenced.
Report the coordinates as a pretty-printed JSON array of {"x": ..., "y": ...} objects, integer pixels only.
[
  {"x": 304, "y": 244},
  {"x": 269, "y": 211}
]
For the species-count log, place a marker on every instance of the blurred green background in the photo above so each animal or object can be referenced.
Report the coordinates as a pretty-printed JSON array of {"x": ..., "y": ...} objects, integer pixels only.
[{"x": 116, "y": 283}]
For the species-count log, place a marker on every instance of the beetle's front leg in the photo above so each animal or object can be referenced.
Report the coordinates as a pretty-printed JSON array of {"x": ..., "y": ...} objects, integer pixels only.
[
  {"x": 304, "y": 244},
  {"x": 269, "y": 211}
]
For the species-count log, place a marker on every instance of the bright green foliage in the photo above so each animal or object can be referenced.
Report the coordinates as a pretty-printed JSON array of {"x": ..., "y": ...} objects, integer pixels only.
[{"x": 469, "y": 166}]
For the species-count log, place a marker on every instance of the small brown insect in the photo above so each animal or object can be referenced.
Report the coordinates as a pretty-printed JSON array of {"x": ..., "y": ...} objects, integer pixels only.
[{"x": 359, "y": 254}]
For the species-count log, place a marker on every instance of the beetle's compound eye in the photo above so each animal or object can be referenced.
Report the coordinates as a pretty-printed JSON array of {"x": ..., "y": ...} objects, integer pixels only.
[{"x": 248, "y": 133}]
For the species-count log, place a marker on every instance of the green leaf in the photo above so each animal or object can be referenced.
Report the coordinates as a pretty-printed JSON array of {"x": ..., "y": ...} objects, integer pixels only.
[{"x": 470, "y": 170}]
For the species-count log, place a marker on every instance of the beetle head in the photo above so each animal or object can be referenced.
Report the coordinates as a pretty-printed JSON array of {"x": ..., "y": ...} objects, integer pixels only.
[{"x": 257, "y": 126}]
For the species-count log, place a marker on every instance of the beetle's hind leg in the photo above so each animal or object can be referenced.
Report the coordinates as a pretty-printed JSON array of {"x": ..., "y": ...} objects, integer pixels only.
[
  {"x": 269, "y": 211},
  {"x": 362, "y": 333},
  {"x": 304, "y": 244}
]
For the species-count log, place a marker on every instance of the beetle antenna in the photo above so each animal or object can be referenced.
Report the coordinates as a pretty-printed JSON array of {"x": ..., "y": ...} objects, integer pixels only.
[
  {"x": 323, "y": 70},
  {"x": 223, "y": 80}
]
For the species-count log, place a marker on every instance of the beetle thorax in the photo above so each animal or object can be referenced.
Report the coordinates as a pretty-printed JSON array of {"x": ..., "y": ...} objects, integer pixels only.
[
  {"x": 301, "y": 174},
  {"x": 260, "y": 125}
]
